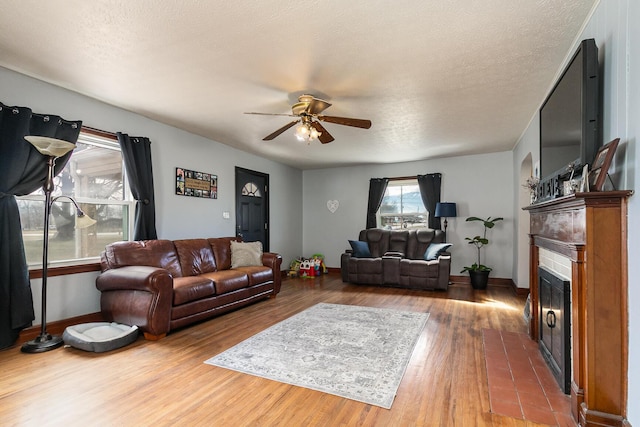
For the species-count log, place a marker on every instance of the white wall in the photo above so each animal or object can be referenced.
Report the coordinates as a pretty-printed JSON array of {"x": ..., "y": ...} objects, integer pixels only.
[
  {"x": 613, "y": 26},
  {"x": 177, "y": 216},
  {"x": 481, "y": 186}
]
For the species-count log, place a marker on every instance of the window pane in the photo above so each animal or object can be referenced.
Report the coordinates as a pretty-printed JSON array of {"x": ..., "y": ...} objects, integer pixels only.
[
  {"x": 65, "y": 241},
  {"x": 402, "y": 207}
]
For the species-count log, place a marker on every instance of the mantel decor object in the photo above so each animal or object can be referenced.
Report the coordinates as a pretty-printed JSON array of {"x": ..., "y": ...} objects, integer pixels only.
[{"x": 600, "y": 169}]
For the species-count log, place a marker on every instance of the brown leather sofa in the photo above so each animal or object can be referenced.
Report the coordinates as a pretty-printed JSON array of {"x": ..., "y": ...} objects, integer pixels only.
[
  {"x": 397, "y": 259},
  {"x": 162, "y": 285}
]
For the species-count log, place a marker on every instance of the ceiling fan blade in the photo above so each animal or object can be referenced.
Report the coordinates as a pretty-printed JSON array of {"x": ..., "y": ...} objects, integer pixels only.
[
  {"x": 325, "y": 137},
  {"x": 279, "y": 131},
  {"x": 273, "y": 114},
  {"x": 317, "y": 106},
  {"x": 358, "y": 123}
]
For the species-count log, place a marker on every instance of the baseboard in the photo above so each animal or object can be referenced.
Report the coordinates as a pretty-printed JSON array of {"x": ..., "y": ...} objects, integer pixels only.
[
  {"x": 58, "y": 327},
  {"x": 493, "y": 281},
  {"x": 330, "y": 270},
  {"x": 519, "y": 291}
]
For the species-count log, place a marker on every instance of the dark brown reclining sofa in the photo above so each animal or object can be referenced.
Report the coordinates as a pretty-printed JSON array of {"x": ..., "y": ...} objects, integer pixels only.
[
  {"x": 398, "y": 259},
  {"x": 162, "y": 285}
]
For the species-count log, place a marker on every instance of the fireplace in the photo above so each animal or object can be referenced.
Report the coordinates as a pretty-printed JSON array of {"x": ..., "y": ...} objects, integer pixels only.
[
  {"x": 589, "y": 230},
  {"x": 554, "y": 303}
]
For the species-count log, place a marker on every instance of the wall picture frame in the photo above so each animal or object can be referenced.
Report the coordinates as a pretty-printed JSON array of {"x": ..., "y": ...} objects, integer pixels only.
[
  {"x": 604, "y": 156},
  {"x": 196, "y": 184}
]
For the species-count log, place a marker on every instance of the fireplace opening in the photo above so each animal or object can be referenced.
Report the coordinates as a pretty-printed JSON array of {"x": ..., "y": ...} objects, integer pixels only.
[{"x": 555, "y": 325}]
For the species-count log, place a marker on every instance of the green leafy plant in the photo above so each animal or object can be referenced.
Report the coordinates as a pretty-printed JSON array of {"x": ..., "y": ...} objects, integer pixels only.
[{"x": 480, "y": 241}]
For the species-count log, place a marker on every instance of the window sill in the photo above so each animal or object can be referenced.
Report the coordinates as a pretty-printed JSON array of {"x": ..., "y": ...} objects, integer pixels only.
[{"x": 64, "y": 270}]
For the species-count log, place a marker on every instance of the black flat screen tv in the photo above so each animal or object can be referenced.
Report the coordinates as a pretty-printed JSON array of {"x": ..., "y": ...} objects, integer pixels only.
[{"x": 570, "y": 117}]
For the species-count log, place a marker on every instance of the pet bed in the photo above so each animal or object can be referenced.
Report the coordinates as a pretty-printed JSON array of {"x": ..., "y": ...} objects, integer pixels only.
[{"x": 99, "y": 336}]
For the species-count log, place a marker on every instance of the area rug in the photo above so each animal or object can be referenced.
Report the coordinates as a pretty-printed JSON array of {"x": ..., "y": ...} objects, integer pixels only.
[{"x": 355, "y": 352}]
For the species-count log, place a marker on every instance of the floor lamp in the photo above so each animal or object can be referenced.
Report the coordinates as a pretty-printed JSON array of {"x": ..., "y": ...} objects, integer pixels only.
[
  {"x": 446, "y": 210},
  {"x": 51, "y": 148}
]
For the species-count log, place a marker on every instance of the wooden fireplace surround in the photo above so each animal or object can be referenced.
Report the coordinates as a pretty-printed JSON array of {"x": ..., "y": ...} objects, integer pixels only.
[{"x": 591, "y": 230}]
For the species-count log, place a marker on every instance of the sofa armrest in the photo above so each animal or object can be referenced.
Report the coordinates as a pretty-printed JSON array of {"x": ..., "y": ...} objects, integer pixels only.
[
  {"x": 444, "y": 270},
  {"x": 137, "y": 295},
  {"x": 344, "y": 264},
  {"x": 134, "y": 277},
  {"x": 274, "y": 261}
]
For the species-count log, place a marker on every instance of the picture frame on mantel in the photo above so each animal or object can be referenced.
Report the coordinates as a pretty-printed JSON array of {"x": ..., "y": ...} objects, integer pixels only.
[{"x": 604, "y": 156}]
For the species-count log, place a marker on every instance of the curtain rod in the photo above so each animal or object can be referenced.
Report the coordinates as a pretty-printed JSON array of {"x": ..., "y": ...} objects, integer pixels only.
[
  {"x": 403, "y": 178},
  {"x": 98, "y": 132}
]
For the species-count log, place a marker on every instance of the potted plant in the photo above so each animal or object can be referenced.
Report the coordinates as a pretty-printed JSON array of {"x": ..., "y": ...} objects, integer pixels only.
[{"x": 479, "y": 273}]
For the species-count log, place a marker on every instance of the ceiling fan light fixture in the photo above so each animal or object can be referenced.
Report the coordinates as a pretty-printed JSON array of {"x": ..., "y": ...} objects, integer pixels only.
[{"x": 306, "y": 133}]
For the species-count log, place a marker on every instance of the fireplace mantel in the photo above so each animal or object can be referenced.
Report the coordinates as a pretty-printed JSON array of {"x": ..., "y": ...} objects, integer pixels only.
[{"x": 591, "y": 230}]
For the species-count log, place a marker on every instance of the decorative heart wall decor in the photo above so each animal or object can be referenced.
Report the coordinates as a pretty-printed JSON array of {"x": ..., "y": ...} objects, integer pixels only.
[{"x": 332, "y": 205}]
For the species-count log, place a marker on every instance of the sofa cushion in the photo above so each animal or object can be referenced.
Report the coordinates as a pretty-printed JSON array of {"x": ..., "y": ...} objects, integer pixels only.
[
  {"x": 196, "y": 256},
  {"x": 398, "y": 241},
  {"x": 378, "y": 240},
  {"x": 192, "y": 288},
  {"x": 246, "y": 254},
  {"x": 228, "y": 280},
  {"x": 435, "y": 250},
  {"x": 152, "y": 253},
  {"x": 221, "y": 247},
  {"x": 366, "y": 270},
  {"x": 419, "y": 268},
  {"x": 257, "y": 274},
  {"x": 420, "y": 240},
  {"x": 360, "y": 249}
]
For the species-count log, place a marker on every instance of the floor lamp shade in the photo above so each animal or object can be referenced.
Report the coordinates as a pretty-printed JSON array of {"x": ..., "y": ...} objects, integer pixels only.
[
  {"x": 446, "y": 210},
  {"x": 51, "y": 149}
]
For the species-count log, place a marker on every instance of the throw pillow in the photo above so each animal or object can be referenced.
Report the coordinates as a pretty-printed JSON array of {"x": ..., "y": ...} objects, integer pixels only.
[
  {"x": 360, "y": 249},
  {"x": 435, "y": 250},
  {"x": 246, "y": 254}
]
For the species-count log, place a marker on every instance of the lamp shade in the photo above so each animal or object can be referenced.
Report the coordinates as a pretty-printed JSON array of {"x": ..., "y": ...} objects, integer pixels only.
[
  {"x": 446, "y": 210},
  {"x": 84, "y": 221},
  {"x": 50, "y": 146}
]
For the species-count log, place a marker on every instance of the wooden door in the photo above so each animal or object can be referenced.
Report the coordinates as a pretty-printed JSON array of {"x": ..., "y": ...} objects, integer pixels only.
[{"x": 252, "y": 206}]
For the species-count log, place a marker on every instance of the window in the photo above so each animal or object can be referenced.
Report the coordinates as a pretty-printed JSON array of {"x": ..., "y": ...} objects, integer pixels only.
[
  {"x": 251, "y": 189},
  {"x": 94, "y": 177},
  {"x": 402, "y": 206}
]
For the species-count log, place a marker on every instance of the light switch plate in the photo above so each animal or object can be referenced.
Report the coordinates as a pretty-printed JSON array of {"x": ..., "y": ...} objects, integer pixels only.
[{"x": 226, "y": 215}]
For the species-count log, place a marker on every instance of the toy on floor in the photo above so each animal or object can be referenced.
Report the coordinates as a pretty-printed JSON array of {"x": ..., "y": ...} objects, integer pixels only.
[
  {"x": 307, "y": 267},
  {"x": 322, "y": 268},
  {"x": 294, "y": 268}
]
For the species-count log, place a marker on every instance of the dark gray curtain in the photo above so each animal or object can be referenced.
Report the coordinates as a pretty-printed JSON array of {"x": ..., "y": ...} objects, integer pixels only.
[
  {"x": 430, "y": 191},
  {"x": 377, "y": 187},
  {"x": 136, "y": 152},
  {"x": 22, "y": 170}
]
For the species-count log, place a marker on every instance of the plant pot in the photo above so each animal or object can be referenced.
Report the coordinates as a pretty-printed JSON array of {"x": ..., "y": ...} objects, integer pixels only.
[{"x": 479, "y": 279}]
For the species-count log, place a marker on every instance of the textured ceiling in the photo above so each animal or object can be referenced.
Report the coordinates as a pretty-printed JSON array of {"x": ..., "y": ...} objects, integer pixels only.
[{"x": 437, "y": 78}]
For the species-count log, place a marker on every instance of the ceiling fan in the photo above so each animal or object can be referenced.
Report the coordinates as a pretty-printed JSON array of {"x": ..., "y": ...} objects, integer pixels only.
[{"x": 307, "y": 110}]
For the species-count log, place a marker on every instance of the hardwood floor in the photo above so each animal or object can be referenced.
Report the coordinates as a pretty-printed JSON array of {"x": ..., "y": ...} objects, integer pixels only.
[{"x": 166, "y": 383}]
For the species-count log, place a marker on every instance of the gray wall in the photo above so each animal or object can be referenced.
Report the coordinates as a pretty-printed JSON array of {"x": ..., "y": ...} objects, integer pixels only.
[
  {"x": 177, "y": 216},
  {"x": 618, "y": 38},
  {"x": 481, "y": 186}
]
